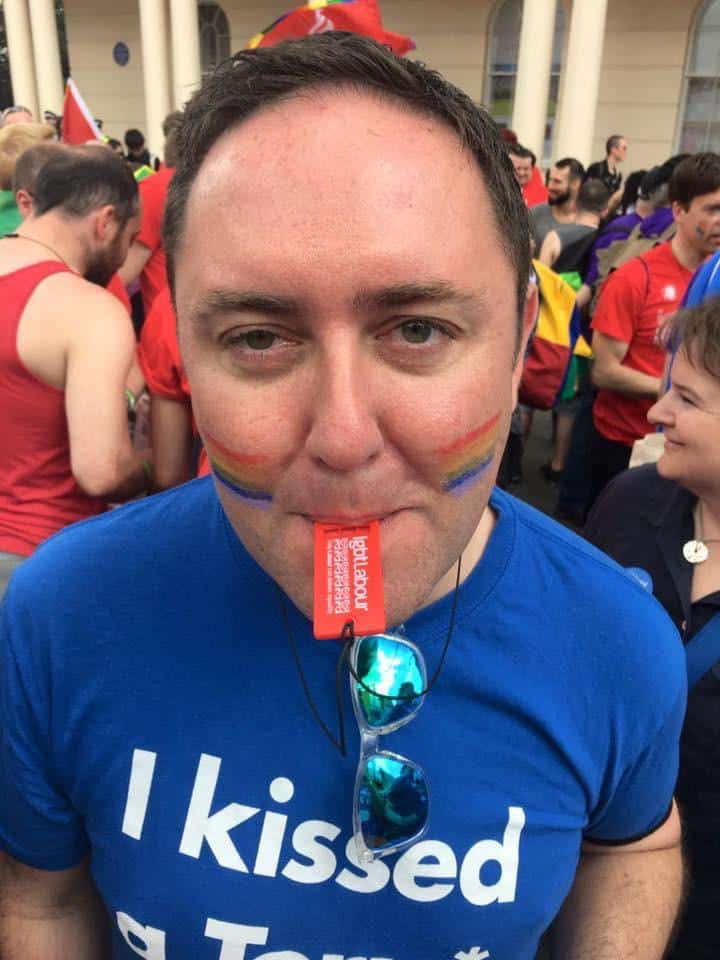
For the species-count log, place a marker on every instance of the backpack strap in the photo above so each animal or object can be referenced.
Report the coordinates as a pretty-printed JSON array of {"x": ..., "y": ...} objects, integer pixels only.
[{"x": 703, "y": 650}]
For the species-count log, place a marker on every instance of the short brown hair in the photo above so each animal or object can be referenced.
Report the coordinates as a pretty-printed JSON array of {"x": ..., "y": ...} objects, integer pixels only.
[
  {"x": 30, "y": 163},
  {"x": 694, "y": 176},
  {"x": 697, "y": 329},
  {"x": 253, "y": 79}
]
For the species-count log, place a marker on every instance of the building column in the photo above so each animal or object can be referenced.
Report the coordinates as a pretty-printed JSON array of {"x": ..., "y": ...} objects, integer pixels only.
[
  {"x": 22, "y": 62},
  {"x": 47, "y": 55},
  {"x": 185, "y": 49},
  {"x": 581, "y": 81},
  {"x": 156, "y": 74},
  {"x": 532, "y": 87}
]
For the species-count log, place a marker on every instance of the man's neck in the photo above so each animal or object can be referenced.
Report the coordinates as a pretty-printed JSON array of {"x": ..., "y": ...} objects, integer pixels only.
[
  {"x": 564, "y": 212},
  {"x": 470, "y": 557},
  {"x": 611, "y": 164},
  {"x": 58, "y": 238},
  {"x": 588, "y": 219},
  {"x": 687, "y": 254}
]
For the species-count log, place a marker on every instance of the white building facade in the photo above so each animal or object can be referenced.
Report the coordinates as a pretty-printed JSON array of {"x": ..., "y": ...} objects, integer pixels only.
[{"x": 565, "y": 74}]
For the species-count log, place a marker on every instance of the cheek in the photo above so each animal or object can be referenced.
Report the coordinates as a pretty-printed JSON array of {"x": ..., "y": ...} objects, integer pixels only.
[
  {"x": 453, "y": 442},
  {"x": 249, "y": 440}
]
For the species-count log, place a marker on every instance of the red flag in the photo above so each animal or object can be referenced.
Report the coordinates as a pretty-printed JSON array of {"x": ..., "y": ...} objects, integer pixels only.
[
  {"x": 78, "y": 125},
  {"x": 321, "y": 16}
]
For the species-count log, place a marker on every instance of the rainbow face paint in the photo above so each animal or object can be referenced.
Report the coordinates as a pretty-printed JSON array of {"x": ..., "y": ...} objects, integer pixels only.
[
  {"x": 464, "y": 461},
  {"x": 245, "y": 475}
]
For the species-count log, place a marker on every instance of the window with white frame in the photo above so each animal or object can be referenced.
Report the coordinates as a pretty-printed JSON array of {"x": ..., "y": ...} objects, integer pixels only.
[
  {"x": 503, "y": 61},
  {"x": 214, "y": 36},
  {"x": 700, "y": 127}
]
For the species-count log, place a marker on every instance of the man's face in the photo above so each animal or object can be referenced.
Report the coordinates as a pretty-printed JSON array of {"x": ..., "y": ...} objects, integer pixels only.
[
  {"x": 523, "y": 169},
  {"x": 619, "y": 151},
  {"x": 347, "y": 320},
  {"x": 700, "y": 223},
  {"x": 111, "y": 250},
  {"x": 558, "y": 186}
]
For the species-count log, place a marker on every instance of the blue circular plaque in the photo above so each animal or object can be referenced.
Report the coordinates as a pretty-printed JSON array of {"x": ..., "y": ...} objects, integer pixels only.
[{"x": 121, "y": 54}]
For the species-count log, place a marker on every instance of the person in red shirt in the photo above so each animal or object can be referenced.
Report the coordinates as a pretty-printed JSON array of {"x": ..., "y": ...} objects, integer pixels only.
[
  {"x": 66, "y": 347},
  {"x": 173, "y": 435},
  {"x": 146, "y": 258},
  {"x": 635, "y": 301},
  {"x": 527, "y": 175}
]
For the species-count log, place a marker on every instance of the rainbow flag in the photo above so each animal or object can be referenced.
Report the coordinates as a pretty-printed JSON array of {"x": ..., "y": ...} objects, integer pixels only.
[{"x": 322, "y": 16}]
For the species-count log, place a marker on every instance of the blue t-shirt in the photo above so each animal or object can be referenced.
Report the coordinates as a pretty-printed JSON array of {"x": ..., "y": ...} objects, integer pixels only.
[{"x": 153, "y": 718}]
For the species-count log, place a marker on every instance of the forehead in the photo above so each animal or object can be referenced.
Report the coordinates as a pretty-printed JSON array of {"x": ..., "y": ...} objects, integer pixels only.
[
  {"x": 559, "y": 172},
  {"x": 707, "y": 200},
  {"x": 688, "y": 370},
  {"x": 337, "y": 183}
]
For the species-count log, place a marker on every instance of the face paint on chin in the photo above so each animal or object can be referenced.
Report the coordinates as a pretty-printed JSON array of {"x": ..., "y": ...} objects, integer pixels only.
[
  {"x": 466, "y": 460},
  {"x": 246, "y": 476}
]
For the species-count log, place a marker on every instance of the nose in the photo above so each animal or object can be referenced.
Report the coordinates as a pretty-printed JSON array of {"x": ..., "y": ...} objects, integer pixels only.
[
  {"x": 344, "y": 433},
  {"x": 661, "y": 414}
]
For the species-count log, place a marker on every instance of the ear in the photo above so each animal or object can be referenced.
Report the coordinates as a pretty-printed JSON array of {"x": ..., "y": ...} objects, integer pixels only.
[
  {"x": 677, "y": 210},
  {"x": 529, "y": 319},
  {"x": 24, "y": 202},
  {"x": 104, "y": 221}
]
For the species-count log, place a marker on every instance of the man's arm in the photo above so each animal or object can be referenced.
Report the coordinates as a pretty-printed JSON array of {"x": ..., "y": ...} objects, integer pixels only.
[
  {"x": 171, "y": 440},
  {"x": 100, "y": 351},
  {"x": 625, "y": 899},
  {"x": 50, "y": 915},
  {"x": 138, "y": 256},
  {"x": 608, "y": 372},
  {"x": 550, "y": 249}
]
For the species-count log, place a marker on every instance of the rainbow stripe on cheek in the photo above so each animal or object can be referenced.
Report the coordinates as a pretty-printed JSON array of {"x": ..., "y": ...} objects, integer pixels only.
[
  {"x": 468, "y": 458},
  {"x": 245, "y": 475}
]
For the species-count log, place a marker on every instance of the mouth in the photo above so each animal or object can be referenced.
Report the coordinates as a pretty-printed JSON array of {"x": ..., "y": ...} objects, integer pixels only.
[{"x": 350, "y": 520}]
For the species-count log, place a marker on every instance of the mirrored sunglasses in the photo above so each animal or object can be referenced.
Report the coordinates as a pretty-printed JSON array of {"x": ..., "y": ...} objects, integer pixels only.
[{"x": 391, "y": 800}]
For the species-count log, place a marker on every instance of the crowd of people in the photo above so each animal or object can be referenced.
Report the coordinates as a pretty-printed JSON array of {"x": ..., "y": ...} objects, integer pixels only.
[{"x": 337, "y": 303}]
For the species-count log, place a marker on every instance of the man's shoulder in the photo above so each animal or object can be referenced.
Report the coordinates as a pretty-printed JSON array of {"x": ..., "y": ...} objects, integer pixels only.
[
  {"x": 136, "y": 539},
  {"x": 587, "y": 607},
  {"x": 573, "y": 571},
  {"x": 595, "y": 170},
  {"x": 539, "y": 211}
]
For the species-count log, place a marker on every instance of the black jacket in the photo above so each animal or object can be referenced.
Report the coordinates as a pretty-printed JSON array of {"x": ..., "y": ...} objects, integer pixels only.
[{"x": 643, "y": 520}]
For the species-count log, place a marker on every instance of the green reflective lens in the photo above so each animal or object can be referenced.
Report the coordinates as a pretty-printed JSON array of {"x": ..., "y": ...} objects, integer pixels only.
[
  {"x": 391, "y": 667},
  {"x": 392, "y": 801}
]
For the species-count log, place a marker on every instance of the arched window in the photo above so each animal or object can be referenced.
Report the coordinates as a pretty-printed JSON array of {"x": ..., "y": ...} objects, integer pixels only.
[
  {"x": 503, "y": 62},
  {"x": 700, "y": 127},
  {"x": 214, "y": 36}
]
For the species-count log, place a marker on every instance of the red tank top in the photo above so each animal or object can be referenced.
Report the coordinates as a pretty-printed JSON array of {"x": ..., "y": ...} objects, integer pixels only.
[{"x": 38, "y": 493}]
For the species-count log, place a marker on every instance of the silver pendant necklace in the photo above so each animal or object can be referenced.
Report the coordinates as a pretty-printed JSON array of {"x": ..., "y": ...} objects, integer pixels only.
[{"x": 696, "y": 550}]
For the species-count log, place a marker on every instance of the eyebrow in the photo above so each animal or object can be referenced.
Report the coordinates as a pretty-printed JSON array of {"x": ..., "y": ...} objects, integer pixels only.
[{"x": 383, "y": 298}]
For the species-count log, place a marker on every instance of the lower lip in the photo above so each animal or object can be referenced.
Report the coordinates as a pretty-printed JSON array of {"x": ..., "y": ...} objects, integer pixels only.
[
  {"x": 672, "y": 444},
  {"x": 350, "y": 523}
]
